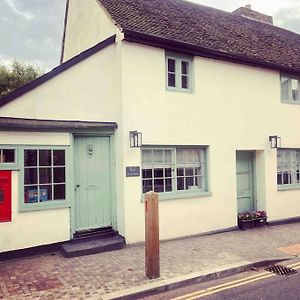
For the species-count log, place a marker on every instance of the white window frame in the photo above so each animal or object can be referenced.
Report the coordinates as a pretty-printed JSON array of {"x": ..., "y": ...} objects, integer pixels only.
[
  {"x": 288, "y": 169},
  {"x": 51, "y": 204},
  {"x": 179, "y": 59},
  {"x": 287, "y": 95},
  {"x": 175, "y": 192}
]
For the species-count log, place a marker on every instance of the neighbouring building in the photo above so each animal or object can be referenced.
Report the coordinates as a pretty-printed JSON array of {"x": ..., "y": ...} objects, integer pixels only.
[{"x": 205, "y": 88}]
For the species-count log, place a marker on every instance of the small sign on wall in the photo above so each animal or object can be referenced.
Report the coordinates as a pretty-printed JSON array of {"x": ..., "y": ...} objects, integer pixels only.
[{"x": 133, "y": 171}]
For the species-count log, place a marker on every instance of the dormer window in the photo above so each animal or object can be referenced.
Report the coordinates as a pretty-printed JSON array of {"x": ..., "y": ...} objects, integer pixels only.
[
  {"x": 290, "y": 89},
  {"x": 179, "y": 72}
]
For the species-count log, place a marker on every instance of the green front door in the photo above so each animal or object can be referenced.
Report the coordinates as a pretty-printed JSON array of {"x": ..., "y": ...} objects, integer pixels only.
[
  {"x": 93, "y": 184},
  {"x": 245, "y": 182}
]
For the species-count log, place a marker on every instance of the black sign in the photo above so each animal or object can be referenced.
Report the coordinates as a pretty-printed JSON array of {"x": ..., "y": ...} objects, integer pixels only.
[{"x": 133, "y": 171}]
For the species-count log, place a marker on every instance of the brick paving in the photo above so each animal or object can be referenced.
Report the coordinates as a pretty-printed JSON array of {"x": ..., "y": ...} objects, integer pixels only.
[{"x": 51, "y": 276}]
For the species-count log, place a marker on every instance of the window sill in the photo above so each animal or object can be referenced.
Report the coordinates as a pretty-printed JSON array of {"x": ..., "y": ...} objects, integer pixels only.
[
  {"x": 290, "y": 102},
  {"x": 288, "y": 187},
  {"x": 43, "y": 206},
  {"x": 184, "y": 91},
  {"x": 175, "y": 196}
]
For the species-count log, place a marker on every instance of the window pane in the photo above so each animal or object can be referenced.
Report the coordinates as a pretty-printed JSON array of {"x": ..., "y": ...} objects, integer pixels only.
[
  {"x": 158, "y": 156},
  {"x": 189, "y": 172},
  {"x": 30, "y": 176},
  {"x": 31, "y": 194},
  {"x": 168, "y": 184},
  {"x": 168, "y": 172},
  {"x": 184, "y": 82},
  {"x": 58, "y": 157},
  {"x": 147, "y": 186},
  {"x": 147, "y": 173},
  {"x": 147, "y": 156},
  {"x": 59, "y": 175},
  {"x": 198, "y": 171},
  {"x": 45, "y": 193},
  {"x": 189, "y": 182},
  {"x": 168, "y": 156},
  {"x": 184, "y": 67},
  {"x": 286, "y": 178},
  {"x": 45, "y": 158},
  {"x": 59, "y": 192},
  {"x": 180, "y": 183},
  {"x": 158, "y": 173},
  {"x": 171, "y": 80},
  {"x": 45, "y": 175},
  {"x": 30, "y": 158},
  {"x": 180, "y": 172},
  {"x": 158, "y": 185},
  {"x": 199, "y": 182},
  {"x": 171, "y": 65},
  {"x": 284, "y": 88},
  {"x": 8, "y": 156}
]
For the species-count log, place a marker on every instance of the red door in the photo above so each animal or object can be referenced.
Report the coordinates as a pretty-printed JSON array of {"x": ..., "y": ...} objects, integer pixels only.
[{"x": 5, "y": 196}]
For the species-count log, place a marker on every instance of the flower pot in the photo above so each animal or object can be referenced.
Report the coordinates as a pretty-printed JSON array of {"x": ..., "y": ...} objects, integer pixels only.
[
  {"x": 245, "y": 224},
  {"x": 260, "y": 222}
]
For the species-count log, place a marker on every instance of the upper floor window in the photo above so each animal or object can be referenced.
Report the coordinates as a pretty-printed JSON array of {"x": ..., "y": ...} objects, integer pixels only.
[
  {"x": 179, "y": 72},
  {"x": 290, "y": 89},
  {"x": 288, "y": 167},
  {"x": 174, "y": 170}
]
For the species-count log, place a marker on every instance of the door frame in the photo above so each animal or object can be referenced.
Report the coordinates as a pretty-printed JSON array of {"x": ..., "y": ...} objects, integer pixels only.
[
  {"x": 254, "y": 177},
  {"x": 113, "y": 191}
]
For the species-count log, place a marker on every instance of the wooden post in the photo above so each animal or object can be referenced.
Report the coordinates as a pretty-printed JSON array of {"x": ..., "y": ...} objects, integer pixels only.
[{"x": 151, "y": 235}]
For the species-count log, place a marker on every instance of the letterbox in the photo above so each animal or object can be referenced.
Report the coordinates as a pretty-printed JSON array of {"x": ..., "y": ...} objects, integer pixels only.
[{"x": 5, "y": 196}]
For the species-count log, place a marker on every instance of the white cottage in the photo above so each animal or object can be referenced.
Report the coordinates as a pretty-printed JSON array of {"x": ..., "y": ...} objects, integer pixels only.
[{"x": 206, "y": 89}]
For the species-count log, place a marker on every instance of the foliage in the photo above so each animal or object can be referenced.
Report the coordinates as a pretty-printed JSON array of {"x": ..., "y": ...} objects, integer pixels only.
[
  {"x": 16, "y": 75},
  {"x": 252, "y": 215}
]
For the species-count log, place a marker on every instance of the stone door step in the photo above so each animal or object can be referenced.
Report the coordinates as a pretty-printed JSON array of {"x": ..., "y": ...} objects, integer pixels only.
[{"x": 70, "y": 249}]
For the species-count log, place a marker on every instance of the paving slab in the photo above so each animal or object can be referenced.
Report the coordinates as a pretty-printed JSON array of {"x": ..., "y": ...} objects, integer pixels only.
[{"x": 106, "y": 275}]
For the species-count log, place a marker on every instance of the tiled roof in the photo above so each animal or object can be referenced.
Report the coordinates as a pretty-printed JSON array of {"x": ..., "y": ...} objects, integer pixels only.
[{"x": 227, "y": 35}]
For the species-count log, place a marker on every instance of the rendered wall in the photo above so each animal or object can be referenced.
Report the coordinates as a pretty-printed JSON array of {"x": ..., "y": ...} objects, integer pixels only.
[
  {"x": 232, "y": 107},
  {"x": 35, "y": 228},
  {"x": 87, "y": 25},
  {"x": 87, "y": 91}
]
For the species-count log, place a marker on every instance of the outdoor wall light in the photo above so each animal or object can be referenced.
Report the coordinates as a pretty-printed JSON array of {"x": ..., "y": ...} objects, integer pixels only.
[
  {"x": 275, "y": 141},
  {"x": 135, "y": 139}
]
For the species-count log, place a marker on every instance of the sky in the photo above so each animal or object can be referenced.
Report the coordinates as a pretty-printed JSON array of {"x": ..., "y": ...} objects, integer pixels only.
[{"x": 31, "y": 30}]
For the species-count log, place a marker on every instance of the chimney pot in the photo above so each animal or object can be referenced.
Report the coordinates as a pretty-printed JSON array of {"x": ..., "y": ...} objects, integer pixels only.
[{"x": 248, "y": 6}]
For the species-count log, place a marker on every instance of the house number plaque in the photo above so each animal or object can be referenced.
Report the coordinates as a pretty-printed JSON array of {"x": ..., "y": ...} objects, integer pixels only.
[{"x": 133, "y": 171}]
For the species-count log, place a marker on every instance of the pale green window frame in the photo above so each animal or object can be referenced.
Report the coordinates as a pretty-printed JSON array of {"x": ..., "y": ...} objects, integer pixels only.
[
  {"x": 290, "y": 89},
  {"x": 185, "y": 179},
  {"x": 8, "y": 163},
  {"x": 51, "y": 204},
  {"x": 179, "y": 72},
  {"x": 288, "y": 169}
]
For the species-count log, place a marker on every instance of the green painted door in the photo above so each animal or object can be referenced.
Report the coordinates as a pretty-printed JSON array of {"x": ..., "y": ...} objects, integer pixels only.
[
  {"x": 92, "y": 179},
  {"x": 244, "y": 178}
]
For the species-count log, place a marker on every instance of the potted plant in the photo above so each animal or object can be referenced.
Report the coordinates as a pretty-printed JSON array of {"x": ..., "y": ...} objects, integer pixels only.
[
  {"x": 260, "y": 218},
  {"x": 245, "y": 220}
]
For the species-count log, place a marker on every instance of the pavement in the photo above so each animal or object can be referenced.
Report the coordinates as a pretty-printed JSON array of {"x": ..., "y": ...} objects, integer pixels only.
[{"x": 120, "y": 274}]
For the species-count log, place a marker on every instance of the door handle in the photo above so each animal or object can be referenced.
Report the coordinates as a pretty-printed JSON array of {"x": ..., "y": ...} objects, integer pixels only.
[{"x": 77, "y": 186}]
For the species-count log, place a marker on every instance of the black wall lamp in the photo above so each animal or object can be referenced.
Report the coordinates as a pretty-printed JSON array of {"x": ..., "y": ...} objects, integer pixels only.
[
  {"x": 135, "y": 139},
  {"x": 275, "y": 141}
]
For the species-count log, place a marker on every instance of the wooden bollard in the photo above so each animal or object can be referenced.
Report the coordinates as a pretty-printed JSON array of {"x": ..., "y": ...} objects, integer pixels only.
[{"x": 151, "y": 235}]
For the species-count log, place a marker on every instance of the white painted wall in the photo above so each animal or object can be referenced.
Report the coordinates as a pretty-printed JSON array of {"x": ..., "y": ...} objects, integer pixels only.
[
  {"x": 87, "y": 91},
  {"x": 29, "y": 229},
  {"x": 87, "y": 25},
  {"x": 232, "y": 107}
]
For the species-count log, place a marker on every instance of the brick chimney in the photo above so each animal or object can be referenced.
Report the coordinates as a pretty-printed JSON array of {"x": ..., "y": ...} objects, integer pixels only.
[{"x": 247, "y": 12}]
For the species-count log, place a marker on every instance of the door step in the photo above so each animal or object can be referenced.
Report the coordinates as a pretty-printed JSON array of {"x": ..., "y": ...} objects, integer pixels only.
[
  {"x": 93, "y": 234},
  {"x": 92, "y": 246}
]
